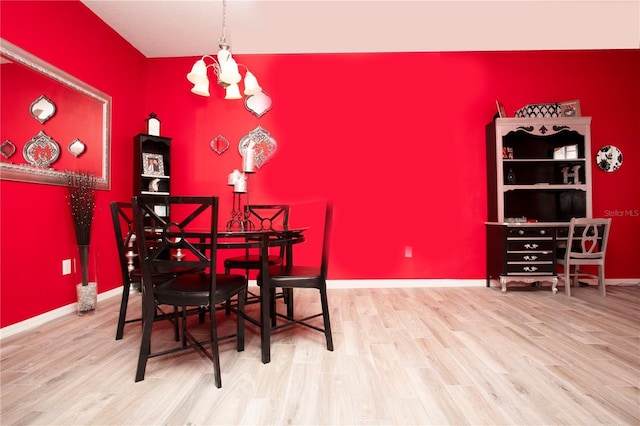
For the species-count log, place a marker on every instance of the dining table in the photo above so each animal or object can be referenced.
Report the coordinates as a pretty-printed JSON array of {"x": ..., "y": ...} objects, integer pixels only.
[{"x": 263, "y": 239}]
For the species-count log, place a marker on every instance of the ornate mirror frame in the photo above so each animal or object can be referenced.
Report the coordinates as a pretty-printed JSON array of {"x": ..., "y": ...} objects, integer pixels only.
[{"x": 29, "y": 173}]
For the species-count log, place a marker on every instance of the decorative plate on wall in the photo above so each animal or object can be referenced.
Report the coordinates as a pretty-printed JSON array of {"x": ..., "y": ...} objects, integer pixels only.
[
  {"x": 609, "y": 158},
  {"x": 265, "y": 145},
  {"x": 41, "y": 151}
]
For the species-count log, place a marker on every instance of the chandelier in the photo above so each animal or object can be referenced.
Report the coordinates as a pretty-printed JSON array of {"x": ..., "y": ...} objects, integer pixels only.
[{"x": 225, "y": 68}]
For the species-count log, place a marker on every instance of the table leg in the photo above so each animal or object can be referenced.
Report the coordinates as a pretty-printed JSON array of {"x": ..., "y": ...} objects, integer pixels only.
[{"x": 265, "y": 302}]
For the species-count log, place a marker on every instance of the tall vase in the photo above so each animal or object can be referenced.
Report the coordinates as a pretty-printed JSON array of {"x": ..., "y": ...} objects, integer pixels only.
[
  {"x": 87, "y": 292},
  {"x": 84, "y": 263}
]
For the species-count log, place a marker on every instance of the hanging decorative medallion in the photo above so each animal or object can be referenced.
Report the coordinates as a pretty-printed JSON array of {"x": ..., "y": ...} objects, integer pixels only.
[
  {"x": 7, "y": 149},
  {"x": 258, "y": 104},
  {"x": 77, "y": 148},
  {"x": 219, "y": 144},
  {"x": 42, "y": 109},
  {"x": 265, "y": 145},
  {"x": 41, "y": 151}
]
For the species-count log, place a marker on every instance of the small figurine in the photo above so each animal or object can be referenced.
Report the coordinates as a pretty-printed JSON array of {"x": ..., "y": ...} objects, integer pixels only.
[{"x": 153, "y": 185}]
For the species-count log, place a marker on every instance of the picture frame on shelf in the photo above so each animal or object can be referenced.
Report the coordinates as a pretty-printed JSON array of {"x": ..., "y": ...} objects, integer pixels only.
[
  {"x": 153, "y": 164},
  {"x": 161, "y": 210},
  {"x": 567, "y": 152},
  {"x": 570, "y": 108}
]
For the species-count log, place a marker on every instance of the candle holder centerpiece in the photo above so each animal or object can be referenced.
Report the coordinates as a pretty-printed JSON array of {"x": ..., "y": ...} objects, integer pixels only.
[{"x": 240, "y": 180}]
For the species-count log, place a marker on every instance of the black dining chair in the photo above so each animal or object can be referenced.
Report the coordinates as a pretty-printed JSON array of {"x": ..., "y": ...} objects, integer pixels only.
[
  {"x": 263, "y": 217},
  {"x": 293, "y": 276},
  {"x": 122, "y": 218},
  {"x": 123, "y": 226},
  {"x": 192, "y": 230}
]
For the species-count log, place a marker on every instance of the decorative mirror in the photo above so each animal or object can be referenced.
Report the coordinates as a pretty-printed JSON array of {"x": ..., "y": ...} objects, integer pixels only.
[
  {"x": 258, "y": 104},
  {"x": 76, "y": 148},
  {"x": 41, "y": 150},
  {"x": 219, "y": 144},
  {"x": 42, "y": 109},
  {"x": 7, "y": 149},
  {"x": 609, "y": 158},
  {"x": 81, "y": 113},
  {"x": 265, "y": 145}
]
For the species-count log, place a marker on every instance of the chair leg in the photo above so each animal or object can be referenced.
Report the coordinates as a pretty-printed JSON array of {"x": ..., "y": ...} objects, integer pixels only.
[
  {"x": 273, "y": 308},
  {"x": 184, "y": 326},
  {"x": 567, "y": 280},
  {"x": 240, "y": 332},
  {"x": 145, "y": 344},
  {"x": 288, "y": 297},
  {"x": 325, "y": 316},
  {"x": 214, "y": 347},
  {"x": 601, "y": 285},
  {"x": 126, "y": 288},
  {"x": 227, "y": 306},
  {"x": 176, "y": 324}
]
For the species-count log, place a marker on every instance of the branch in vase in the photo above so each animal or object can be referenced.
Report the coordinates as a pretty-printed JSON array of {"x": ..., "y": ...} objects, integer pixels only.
[{"x": 82, "y": 186}]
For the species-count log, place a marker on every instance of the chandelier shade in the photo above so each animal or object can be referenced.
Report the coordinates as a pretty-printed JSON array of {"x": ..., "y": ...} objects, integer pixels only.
[
  {"x": 232, "y": 91},
  {"x": 251, "y": 86}
]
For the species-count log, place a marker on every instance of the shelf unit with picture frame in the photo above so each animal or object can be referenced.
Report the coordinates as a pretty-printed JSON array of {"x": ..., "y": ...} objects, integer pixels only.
[{"x": 152, "y": 167}]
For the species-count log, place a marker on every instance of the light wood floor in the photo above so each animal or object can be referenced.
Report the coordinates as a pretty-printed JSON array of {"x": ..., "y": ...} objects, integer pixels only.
[{"x": 402, "y": 356}]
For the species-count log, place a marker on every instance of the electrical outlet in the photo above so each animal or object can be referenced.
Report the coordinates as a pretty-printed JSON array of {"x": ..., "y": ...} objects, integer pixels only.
[
  {"x": 408, "y": 251},
  {"x": 66, "y": 267}
]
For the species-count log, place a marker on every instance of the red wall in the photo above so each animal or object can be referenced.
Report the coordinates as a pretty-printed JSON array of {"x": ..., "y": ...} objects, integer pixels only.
[
  {"x": 395, "y": 140},
  {"x": 35, "y": 222}
]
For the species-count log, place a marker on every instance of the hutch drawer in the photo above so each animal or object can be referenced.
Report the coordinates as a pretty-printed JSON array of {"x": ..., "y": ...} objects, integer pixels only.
[{"x": 530, "y": 244}]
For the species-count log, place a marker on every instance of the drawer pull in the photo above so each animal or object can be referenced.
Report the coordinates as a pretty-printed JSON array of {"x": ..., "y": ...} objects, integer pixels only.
[
  {"x": 530, "y": 257},
  {"x": 530, "y": 268},
  {"x": 521, "y": 231},
  {"x": 532, "y": 246}
]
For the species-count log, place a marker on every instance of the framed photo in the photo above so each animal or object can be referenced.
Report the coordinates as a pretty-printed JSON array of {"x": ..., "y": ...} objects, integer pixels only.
[
  {"x": 153, "y": 164},
  {"x": 501, "y": 110},
  {"x": 570, "y": 108},
  {"x": 161, "y": 210}
]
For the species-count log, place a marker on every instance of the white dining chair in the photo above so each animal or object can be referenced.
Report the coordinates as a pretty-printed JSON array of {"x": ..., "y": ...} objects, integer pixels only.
[{"x": 586, "y": 246}]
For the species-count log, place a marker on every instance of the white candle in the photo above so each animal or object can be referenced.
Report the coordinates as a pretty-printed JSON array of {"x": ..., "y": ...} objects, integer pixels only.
[
  {"x": 233, "y": 177},
  {"x": 240, "y": 185},
  {"x": 249, "y": 159}
]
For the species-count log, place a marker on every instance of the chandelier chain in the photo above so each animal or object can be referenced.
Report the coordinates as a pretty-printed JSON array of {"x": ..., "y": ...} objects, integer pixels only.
[{"x": 224, "y": 22}]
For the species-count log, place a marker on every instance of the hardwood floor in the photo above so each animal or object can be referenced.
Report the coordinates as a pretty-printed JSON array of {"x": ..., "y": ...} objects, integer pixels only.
[{"x": 402, "y": 356}]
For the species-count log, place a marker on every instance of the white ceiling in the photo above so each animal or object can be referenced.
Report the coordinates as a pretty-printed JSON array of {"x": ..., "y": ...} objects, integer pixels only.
[{"x": 174, "y": 28}]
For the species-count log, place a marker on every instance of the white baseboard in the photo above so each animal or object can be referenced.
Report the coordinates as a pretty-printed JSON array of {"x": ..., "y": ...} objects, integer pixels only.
[
  {"x": 331, "y": 284},
  {"x": 36, "y": 321},
  {"x": 406, "y": 283}
]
